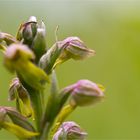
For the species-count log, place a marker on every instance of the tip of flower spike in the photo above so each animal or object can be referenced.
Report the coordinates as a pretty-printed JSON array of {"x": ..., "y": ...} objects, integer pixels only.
[{"x": 32, "y": 19}]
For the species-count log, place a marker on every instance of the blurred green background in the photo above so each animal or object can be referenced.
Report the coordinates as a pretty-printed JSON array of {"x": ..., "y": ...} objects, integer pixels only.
[{"x": 112, "y": 28}]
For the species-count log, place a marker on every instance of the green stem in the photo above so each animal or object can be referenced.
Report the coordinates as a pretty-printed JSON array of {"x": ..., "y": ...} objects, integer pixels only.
[
  {"x": 48, "y": 118},
  {"x": 37, "y": 107},
  {"x": 46, "y": 131},
  {"x": 36, "y": 100}
]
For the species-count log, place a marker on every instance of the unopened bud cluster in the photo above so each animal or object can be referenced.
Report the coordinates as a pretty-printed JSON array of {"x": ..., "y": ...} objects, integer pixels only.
[{"x": 27, "y": 56}]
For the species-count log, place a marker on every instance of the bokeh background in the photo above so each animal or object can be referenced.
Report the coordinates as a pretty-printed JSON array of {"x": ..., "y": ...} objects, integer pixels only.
[{"x": 112, "y": 28}]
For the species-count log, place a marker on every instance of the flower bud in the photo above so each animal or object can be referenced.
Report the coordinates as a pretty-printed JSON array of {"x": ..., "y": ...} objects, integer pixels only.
[
  {"x": 10, "y": 114},
  {"x": 70, "y": 131},
  {"x": 61, "y": 51},
  {"x": 18, "y": 92},
  {"x": 15, "y": 85},
  {"x": 39, "y": 43},
  {"x": 73, "y": 48},
  {"x": 14, "y": 122},
  {"x": 27, "y": 31},
  {"x": 84, "y": 93},
  {"x": 33, "y": 34}
]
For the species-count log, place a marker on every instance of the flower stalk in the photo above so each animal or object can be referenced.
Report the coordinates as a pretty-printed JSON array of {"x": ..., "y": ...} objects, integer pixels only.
[{"x": 65, "y": 112}]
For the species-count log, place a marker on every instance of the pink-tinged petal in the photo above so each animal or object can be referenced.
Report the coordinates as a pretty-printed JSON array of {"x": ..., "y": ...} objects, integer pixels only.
[{"x": 70, "y": 131}]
